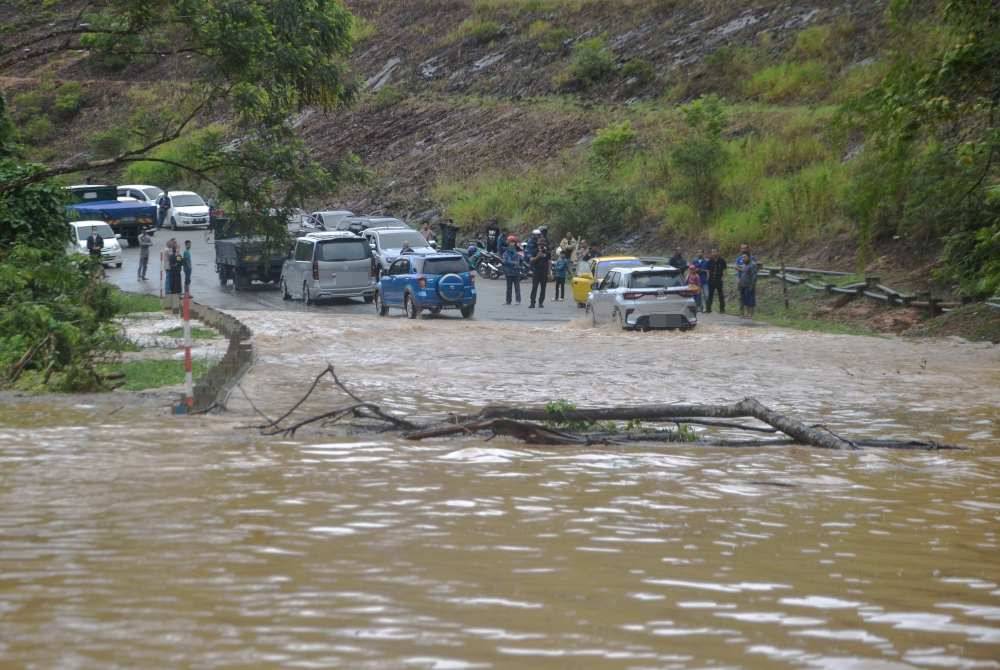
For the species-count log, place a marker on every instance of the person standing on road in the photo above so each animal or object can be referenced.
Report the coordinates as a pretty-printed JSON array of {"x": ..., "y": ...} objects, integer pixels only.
[
  {"x": 186, "y": 265},
  {"x": 426, "y": 232},
  {"x": 559, "y": 271},
  {"x": 694, "y": 282},
  {"x": 744, "y": 250},
  {"x": 163, "y": 208},
  {"x": 95, "y": 244},
  {"x": 174, "y": 261},
  {"x": 512, "y": 269},
  {"x": 531, "y": 246},
  {"x": 449, "y": 232},
  {"x": 492, "y": 236},
  {"x": 748, "y": 285},
  {"x": 145, "y": 242},
  {"x": 540, "y": 263},
  {"x": 701, "y": 263},
  {"x": 677, "y": 260},
  {"x": 716, "y": 273}
]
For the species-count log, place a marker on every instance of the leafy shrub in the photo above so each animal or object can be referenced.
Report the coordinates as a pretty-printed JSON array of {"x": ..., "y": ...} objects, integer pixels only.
[
  {"x": 611, "y": 145},
  {"x": 68, "y": 99},
  {"x": 591, "y": 63},
  {"x": 477, "y": 30},
  {"x": 680, "y": 218},
  {"x": 109, "y": 143},
  {"x": 789, "y": 81},
  {"x": 638, "y": 72},
  {"x": 38, "y": 129},
  {"x": 28, "y": 104},
  {"x": 813, "y": 42},
  {"x": 386, "y": 97},
  {"x": 191, "y": 149},
  {"x": 591, "y": 206},
  {"x": 548, "y": 37}
]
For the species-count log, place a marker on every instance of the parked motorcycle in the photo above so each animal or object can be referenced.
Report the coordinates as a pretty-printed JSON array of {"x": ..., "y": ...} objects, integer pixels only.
[{"x": 489, "y": 265}]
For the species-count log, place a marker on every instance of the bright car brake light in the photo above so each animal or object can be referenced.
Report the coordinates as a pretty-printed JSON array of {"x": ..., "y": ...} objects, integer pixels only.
[
  {"x": 633, "y": 296},
  {"x": 422, "y": 282},
  {"x": 316, "y": 270}
]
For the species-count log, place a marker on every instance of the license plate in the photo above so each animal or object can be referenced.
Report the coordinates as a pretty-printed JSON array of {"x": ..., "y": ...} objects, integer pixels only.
[{"x": 663, "y": 321}]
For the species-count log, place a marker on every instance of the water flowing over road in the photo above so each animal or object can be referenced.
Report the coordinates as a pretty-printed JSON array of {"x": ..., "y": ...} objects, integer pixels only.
[{"x": 129, "y": 538}]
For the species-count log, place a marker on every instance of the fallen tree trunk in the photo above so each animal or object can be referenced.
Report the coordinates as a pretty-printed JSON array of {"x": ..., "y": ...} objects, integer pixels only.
[
  {"x": 567, "y": 425},
  {"x": 797, "y": 430}
]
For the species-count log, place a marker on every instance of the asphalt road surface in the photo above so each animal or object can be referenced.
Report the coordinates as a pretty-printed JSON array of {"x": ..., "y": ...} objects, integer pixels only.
[{"x": 205, "y": 288}]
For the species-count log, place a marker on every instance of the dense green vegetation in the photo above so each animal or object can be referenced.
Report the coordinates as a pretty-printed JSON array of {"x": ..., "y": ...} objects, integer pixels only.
[
  {"x": 260, "y": 61},
  {"x": 798, "y": 146}
]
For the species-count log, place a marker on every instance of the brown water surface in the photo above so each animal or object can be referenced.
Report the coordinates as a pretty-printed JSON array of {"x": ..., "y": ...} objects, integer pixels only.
[{"x": 135, "y": 539}]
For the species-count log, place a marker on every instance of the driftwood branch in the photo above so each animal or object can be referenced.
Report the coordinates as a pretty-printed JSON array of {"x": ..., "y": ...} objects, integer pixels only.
[{"x": 539, "y": 425}]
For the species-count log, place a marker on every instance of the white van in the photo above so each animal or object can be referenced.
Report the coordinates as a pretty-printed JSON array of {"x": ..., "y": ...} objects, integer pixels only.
[{"x": 329, "y": 265}]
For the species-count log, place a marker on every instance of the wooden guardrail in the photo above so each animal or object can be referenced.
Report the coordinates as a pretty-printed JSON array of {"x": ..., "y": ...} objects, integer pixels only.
[{"x": 871, "y": 288}]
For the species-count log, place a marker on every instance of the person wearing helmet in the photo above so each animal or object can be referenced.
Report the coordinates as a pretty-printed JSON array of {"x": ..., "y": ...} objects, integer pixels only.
[
  {"x": 512, "y": 269},
  {"x": 531, "y": 246}
]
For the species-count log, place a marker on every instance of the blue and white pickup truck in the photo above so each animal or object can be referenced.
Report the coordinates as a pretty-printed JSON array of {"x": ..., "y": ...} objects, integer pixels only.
[{"x": 100, "y": 203}]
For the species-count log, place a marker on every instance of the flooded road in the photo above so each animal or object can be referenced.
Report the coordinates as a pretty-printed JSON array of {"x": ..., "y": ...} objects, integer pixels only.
[{"x": 132, "y": 539}]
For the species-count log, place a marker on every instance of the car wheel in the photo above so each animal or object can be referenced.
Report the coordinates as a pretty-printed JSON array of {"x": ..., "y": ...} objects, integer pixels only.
[
  {"x": 118, "y": 264},
  {"x": 468, "y": 311},
  {"x": 285, "y": 295},
  {"x": 412, "y": 311},
  {"x": 173, "y": 223},
  {"x": 380, "y": 306},
  {"x": 306, "y": 296}
]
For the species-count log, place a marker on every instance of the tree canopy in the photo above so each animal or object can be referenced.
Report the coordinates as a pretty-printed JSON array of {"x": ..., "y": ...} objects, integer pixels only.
[{"x": 257, "y": 62}]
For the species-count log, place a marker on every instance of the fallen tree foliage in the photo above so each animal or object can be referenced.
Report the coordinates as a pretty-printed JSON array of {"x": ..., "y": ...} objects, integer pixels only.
[{"x": 567, "y": 425}]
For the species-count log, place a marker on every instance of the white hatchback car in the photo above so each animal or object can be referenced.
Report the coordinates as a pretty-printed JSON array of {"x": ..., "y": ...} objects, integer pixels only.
[
  {"x": 643, "y": 298},
  {"x": 111, "y": 254},
  {"x": 187, "y": 210},
  {"x": 141, "y": 192}
]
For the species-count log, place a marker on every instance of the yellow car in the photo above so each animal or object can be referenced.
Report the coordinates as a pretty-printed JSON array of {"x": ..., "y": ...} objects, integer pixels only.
[{"x": 589, "y": 272}]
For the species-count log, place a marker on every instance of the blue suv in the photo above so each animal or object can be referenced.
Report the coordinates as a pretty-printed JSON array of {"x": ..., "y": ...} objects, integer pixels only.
[{"x": 433, "y": 282}]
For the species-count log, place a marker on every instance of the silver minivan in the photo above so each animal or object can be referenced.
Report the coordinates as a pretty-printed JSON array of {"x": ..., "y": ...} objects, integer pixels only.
[{"x": 329, "y": 265}]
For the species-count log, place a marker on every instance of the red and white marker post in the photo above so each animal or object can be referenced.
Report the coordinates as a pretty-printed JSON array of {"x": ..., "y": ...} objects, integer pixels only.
[{"x": 188, "y": 376}]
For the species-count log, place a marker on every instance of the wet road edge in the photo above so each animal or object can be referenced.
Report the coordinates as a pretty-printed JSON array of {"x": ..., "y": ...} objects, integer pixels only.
[{"x": 213, "y": 388}]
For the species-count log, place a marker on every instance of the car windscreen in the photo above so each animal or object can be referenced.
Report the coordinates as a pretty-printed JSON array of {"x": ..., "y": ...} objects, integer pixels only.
[
  {"x": 655, "y": 279},
  {"x": 604, "y": 267},
  {"x": 186, "y": 201},
  {"x": 395, "y": 240},
  {"x": 443, "y": 266},
  {"x": 152, "y": 193},
  {"x": 104, "y": 230},
  {"x": 343, "y": 250}
]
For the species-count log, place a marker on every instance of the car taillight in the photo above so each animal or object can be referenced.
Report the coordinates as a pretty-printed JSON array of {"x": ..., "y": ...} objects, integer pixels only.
[
  {"x": 316, "y": 270},
  {"x": 633, "y": 296},
  {"x": 422, "y": 282}
]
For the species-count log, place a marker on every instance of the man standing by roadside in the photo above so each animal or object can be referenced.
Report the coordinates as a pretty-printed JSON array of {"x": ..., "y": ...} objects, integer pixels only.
[
  {"x": 512, "y": 268},
  {"x": 145, "y": 242},
  {"x": 540, "y": 274},
  {"x": 701, "y": 263},
  {"x": 744, "y": 250},
  {"x": 426, "y": 232},
  {"x": 186, "y": 265},
  {"x": 677, "y": 260},
  {"x": 492, "y": 236},
  {"x": 163, "y": 208},
  {"x": 559, "y": 271},
  {"x": 716, "y": 273},
  {"x": 174, "y": 260},
  {"x": 95, "y": 243},
  {"x": 747, "y": 284}
]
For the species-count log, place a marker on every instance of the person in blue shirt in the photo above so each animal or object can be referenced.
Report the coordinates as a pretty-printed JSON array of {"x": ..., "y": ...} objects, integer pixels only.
[
  {"x": 701, "y": 263},
  {"x": 531, "y": 246},
  {"x": 559, "y": 271},
  {"x": 512, "y": 268},
  {"x": 744, "y": 250}
]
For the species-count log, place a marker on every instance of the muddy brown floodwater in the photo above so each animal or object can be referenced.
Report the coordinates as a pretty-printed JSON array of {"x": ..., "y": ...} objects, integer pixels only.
[{"x": 132, "y": 539}]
